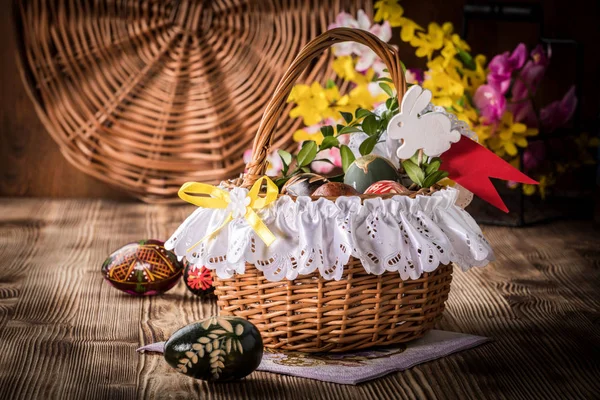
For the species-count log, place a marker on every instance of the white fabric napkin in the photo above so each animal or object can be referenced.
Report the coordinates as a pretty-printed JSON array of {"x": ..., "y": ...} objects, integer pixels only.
[{"x": 360, "y": 366}]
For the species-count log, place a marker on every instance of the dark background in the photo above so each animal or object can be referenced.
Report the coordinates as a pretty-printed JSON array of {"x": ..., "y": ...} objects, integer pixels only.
[{"x": 31, "y": 164}]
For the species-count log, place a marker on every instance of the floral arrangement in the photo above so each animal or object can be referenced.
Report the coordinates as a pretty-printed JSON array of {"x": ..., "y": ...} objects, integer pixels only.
[{"x": 492, "y": 102}]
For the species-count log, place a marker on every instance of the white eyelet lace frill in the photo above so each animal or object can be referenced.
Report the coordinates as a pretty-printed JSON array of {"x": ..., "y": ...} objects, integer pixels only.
[{"x": 410, "y": 236}]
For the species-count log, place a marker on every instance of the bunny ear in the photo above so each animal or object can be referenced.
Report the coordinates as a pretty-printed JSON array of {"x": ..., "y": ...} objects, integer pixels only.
[
  {"x": 410, "y": 99},
  {"x": 421, "y": 102}
]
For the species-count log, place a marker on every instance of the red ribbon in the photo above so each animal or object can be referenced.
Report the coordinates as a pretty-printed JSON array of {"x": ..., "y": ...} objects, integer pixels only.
[{"x": 472, "y": 165}]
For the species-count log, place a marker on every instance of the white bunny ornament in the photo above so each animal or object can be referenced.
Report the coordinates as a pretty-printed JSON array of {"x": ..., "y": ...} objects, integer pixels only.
[{"x": 431, "y": 132}]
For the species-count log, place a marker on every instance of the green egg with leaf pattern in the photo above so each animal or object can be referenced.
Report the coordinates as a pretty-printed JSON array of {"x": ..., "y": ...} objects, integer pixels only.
[
  {"x": 215, "y": 349},
  {"x": 366, "y": 170}
]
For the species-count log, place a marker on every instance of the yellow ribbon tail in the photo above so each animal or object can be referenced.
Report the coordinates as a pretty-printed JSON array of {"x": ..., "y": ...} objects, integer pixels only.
[{"x": 262, "y": 231}]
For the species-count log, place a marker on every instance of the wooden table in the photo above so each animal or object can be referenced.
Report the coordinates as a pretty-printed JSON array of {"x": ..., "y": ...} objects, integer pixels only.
[{"x": 64, "y": 333}]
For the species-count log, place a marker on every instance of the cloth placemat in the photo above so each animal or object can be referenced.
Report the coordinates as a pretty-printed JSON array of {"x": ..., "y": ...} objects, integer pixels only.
[{"x": 361, "y": 366}]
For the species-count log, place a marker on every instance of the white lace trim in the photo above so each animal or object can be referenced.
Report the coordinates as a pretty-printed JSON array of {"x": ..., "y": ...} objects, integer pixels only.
[{"x": 401, "y": 234}]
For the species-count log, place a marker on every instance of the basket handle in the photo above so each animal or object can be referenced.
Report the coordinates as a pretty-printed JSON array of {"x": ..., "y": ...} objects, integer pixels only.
[{"x": 264, "y": 137}]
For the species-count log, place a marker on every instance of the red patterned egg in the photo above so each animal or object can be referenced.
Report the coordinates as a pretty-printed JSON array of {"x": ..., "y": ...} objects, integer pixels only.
[
  {"x": 386, "y": 187},
  {"x": 143, "y": 268},
  {"x": 198, "y": 280}
]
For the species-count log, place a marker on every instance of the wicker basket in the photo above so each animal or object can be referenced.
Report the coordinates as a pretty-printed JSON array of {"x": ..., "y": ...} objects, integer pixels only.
[
  {"x": 311, "y": 314},
  {"x": 146, "y": 95}
]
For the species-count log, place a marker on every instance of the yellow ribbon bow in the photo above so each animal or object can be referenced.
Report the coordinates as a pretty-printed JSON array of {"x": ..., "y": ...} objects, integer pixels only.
[{"x": 213, "y": 197}]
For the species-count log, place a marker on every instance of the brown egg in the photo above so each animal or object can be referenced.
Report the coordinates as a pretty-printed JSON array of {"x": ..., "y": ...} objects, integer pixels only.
[
  {"x": 335, "y": 189},
  {"x": 303, "y": 184},
  {"x": 142, "y": 268}
]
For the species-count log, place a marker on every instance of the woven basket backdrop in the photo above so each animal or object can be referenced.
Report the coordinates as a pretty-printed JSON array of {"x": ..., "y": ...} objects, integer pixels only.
[{"x": 146, "y": 95}]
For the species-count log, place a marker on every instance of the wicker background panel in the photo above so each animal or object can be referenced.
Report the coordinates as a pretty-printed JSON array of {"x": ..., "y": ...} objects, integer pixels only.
[{"x": 147, "y": 95}]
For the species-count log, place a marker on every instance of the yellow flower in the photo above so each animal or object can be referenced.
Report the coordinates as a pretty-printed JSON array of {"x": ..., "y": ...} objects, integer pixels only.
[
  {"x": 344, "y": 67},
  {"x": 473, "y": 79},
  {"x": 444, "y": 82},
  {"x": 509, "y": 135},
  {"x": 467, "y": 114},
  {"x": 484, "y": 132},
  {"x": 427, "y": 43},
  {"x": 302, "y": 135},
  {"x": 362, "y": 97},
  {"x": 390, "y": 11},
  {"x": 313, "y": 103},
  {"x": 459, "y": 42},
  {"x": 545, "y": 181},
  {"x": 408, "y": 29},
  {"x": 528, "y": 190}
]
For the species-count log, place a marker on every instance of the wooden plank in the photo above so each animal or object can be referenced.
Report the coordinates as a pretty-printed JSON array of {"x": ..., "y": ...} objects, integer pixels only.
[{"x": 65, "y": 334}]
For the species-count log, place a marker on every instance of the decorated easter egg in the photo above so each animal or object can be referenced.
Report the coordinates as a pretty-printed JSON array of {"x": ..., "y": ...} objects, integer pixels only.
[
  {"x": 334, "y": 189},
  {"x": 386, "y": 187},
  {"x": 367, "y": 170},
  {"x": 303, "y": 184},
  {"x": 198, "y": 280},
  {"x": 215, "y": 349},
  {"x": 142, "y": 268}
]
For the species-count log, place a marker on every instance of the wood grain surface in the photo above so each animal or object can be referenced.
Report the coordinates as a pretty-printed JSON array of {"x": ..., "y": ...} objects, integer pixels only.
[{"x": 65, "y": 334}]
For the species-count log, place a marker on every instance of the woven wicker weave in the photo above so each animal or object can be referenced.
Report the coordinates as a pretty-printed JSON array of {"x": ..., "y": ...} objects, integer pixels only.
[
  {"x": 309, "y": 313},
  {"x": 149, "y": 94}
]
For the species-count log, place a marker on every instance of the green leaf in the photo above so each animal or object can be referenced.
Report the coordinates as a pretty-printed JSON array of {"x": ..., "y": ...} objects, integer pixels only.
[
  {"x": 385, "y": 79},
  {"x": 348, "y": 129},
  {"x": 361, "y": 113},
  {"x": 467, "y": 60},
  {"x": 391, "y": 103},
  {"x": 347, "y": 157},
  {"x": 281, "y": 181},
  {"x": 347, "y": 116},
  {"x": 329, "y": 142},
  {"x": 415, "y": 173},
  {"x": 433, "y": 166},
  {"x": 367, "y": 146},
  {"x": 415, "y": 158},
  {"x": 386, "y": 88},
  {"x": 330, "y": 84},
  {"x": 403, "y": 68},
  {"x": 434, "y": 178},
  {"x": 385, "y": 118},
  {"x": 307, "y": 154},
  {"x": 369, "y": 125},
  {"x": 327, "y": 130},
  {"x": 286, "y": 159}
]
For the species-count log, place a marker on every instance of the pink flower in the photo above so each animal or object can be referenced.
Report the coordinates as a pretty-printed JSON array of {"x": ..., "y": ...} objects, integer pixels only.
[
  {"x": 366, "y": 57},
  {"x": 414, "y": 75},
  {"x": 503, "y": 65},
  {"x": 490, "y": 102},
  {"x": 526, "y": 86},
  {"x": 558, "y": 113}
]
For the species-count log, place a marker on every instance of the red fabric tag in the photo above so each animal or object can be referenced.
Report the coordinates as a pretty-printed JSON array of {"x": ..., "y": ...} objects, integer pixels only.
[{"x": 471, "y": 165}]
